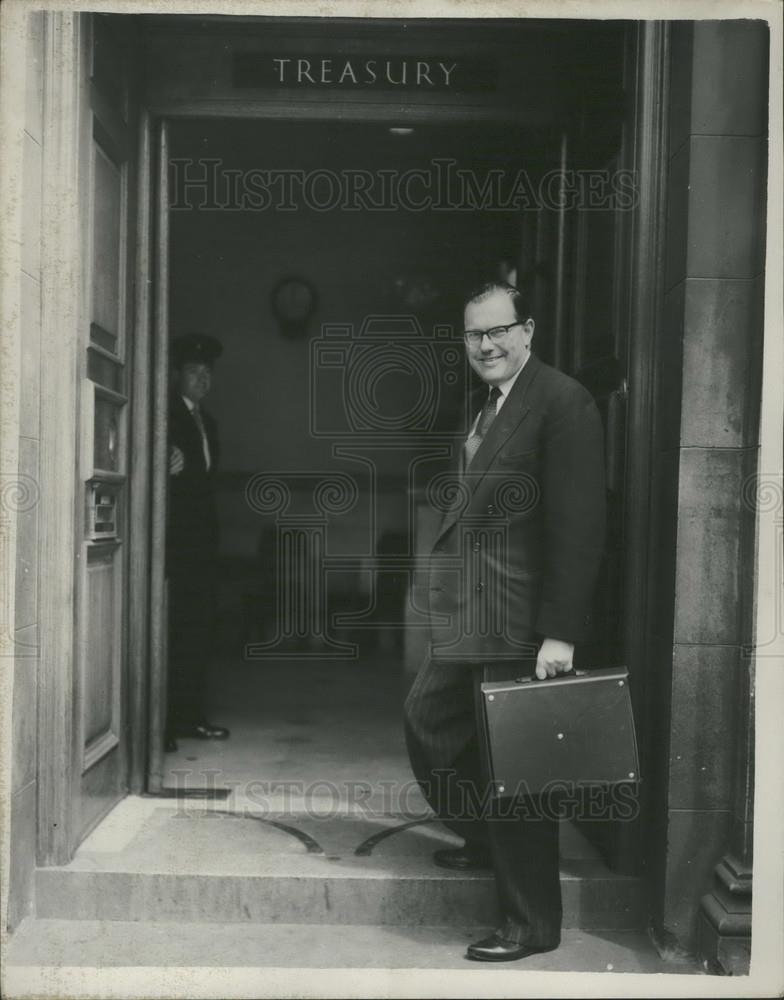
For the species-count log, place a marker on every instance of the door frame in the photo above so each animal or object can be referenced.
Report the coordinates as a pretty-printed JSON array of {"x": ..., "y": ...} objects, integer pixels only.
[
  {"x": 139, "y": 596},
  {"x": 149, "y": 778},
  {"x": 62, "y": 239},
  {"x": 650, "y": 48},
  {"x": 650, "y": 161},
  {"x": 65, "y": 39}
]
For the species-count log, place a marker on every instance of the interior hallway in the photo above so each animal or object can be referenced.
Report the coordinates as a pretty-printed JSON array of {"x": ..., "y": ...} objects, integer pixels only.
[{"x": 325, "y": 730}]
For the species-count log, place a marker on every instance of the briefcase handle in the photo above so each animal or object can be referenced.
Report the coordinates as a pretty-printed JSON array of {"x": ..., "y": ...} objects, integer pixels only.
[{"x": 532, "y": 677}]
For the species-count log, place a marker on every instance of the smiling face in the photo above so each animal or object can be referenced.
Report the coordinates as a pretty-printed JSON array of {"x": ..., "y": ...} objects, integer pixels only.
[
  {"x": 496, "y": 361},
  {"x": 194, "y": 379}
]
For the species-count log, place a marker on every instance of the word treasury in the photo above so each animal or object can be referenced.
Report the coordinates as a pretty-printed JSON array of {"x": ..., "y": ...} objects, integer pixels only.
[{"x": 363, "y": 72}]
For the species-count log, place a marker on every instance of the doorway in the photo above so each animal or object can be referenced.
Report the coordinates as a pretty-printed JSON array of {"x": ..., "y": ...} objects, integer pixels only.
[
  {"x": 382, "y": 228},
  {"x": 338, "y": 208},
  {"x": 605, "y": 265}
]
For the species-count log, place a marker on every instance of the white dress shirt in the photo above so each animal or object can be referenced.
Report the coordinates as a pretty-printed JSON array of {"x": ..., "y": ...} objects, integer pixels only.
[
  {"x": 505, "y": 388},
  {"x": 200, "y": 425}
]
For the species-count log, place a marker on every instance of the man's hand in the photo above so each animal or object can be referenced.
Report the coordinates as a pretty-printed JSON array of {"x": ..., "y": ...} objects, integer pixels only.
[
  {"x": 555, "y": 657},
  {"x": 176, "y": 461}
]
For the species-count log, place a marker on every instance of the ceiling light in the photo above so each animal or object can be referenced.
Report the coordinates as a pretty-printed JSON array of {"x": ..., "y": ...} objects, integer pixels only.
[{"x": 401, "y": 131}]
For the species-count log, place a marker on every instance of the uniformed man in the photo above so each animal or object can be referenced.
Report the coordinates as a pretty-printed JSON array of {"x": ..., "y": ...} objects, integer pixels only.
[{"x": 191, "y": 538}]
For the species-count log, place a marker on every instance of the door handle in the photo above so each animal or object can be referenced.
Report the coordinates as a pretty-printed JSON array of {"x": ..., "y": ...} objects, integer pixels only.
[{"x": 529, "y": 679}]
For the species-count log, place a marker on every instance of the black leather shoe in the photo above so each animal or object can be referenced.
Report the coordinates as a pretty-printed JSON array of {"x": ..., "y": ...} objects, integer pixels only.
[
  {"x": 469, "y": 858},
  {"x": 204, "y": 731},
  {"x": 495, "y": 949},
  {"x": 170, "y": 745}
]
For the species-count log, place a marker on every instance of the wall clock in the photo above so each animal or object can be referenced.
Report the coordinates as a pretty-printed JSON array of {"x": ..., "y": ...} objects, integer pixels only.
[{"x": 293, "y": 301}]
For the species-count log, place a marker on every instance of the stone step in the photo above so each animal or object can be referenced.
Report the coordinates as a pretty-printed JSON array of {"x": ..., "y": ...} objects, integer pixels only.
[
  {"x": 591, "y": 899},
  {"x": 198, "y": 862},
  {"x": 52, "y": 944}
]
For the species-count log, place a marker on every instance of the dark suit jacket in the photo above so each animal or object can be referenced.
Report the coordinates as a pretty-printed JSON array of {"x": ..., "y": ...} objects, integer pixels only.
[
  {"x": 192, "y": 525},
  {"x": 516, "y": 557}
]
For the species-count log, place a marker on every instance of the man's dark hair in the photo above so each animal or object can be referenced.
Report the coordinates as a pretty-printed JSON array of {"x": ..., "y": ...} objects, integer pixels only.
[{"x": 520, "y": 303}]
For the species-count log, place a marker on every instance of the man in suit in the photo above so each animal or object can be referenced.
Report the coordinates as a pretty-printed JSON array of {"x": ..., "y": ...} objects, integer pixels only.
[
  {"x": 191, "y": 538},
  {"x": 510, "y": 582}
]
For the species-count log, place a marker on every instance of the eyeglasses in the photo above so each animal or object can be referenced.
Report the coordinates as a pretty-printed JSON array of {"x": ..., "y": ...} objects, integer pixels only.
[{"x": 495, "y": 333}]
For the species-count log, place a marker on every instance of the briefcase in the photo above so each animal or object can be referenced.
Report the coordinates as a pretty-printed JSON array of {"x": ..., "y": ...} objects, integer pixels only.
[{"x": 572, "y": 729}]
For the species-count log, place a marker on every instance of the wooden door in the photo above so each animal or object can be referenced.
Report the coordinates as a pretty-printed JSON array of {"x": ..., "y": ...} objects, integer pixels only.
[
  {"x": 576, "y": 267},
  {"x": 579, "y": 263},
  {"x": 158, "y": 652},
  {"x": 100, "y": 726}
]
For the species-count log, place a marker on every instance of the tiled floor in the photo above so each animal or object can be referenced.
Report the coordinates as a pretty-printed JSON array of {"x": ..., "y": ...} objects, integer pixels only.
[
  {"x": 328, "y": 731},
  {"x": 144, "y": 834},
  {"x": 313, "y": 737}
]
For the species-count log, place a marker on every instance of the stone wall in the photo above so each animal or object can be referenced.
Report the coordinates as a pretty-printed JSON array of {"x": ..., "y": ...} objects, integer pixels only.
[
  {"x": 707, "y": 446},
  {"x": 25, "y": 697}
]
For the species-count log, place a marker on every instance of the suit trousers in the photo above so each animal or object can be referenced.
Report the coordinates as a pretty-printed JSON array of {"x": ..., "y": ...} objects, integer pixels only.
[
  {"x": 449, "y": 757},
  {"x": 191, "y": 638}
]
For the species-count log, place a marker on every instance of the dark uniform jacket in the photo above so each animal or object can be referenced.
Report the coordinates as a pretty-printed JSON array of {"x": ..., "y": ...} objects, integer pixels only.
[
  {"x": 517, "y": 555},
  {"x": 192, "y": 529}
]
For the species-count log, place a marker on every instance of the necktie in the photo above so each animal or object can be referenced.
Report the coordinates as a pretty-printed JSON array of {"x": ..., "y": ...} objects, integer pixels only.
[
  {"x": 200, "y": 424},
  {"x": 486, "y": 417}
]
